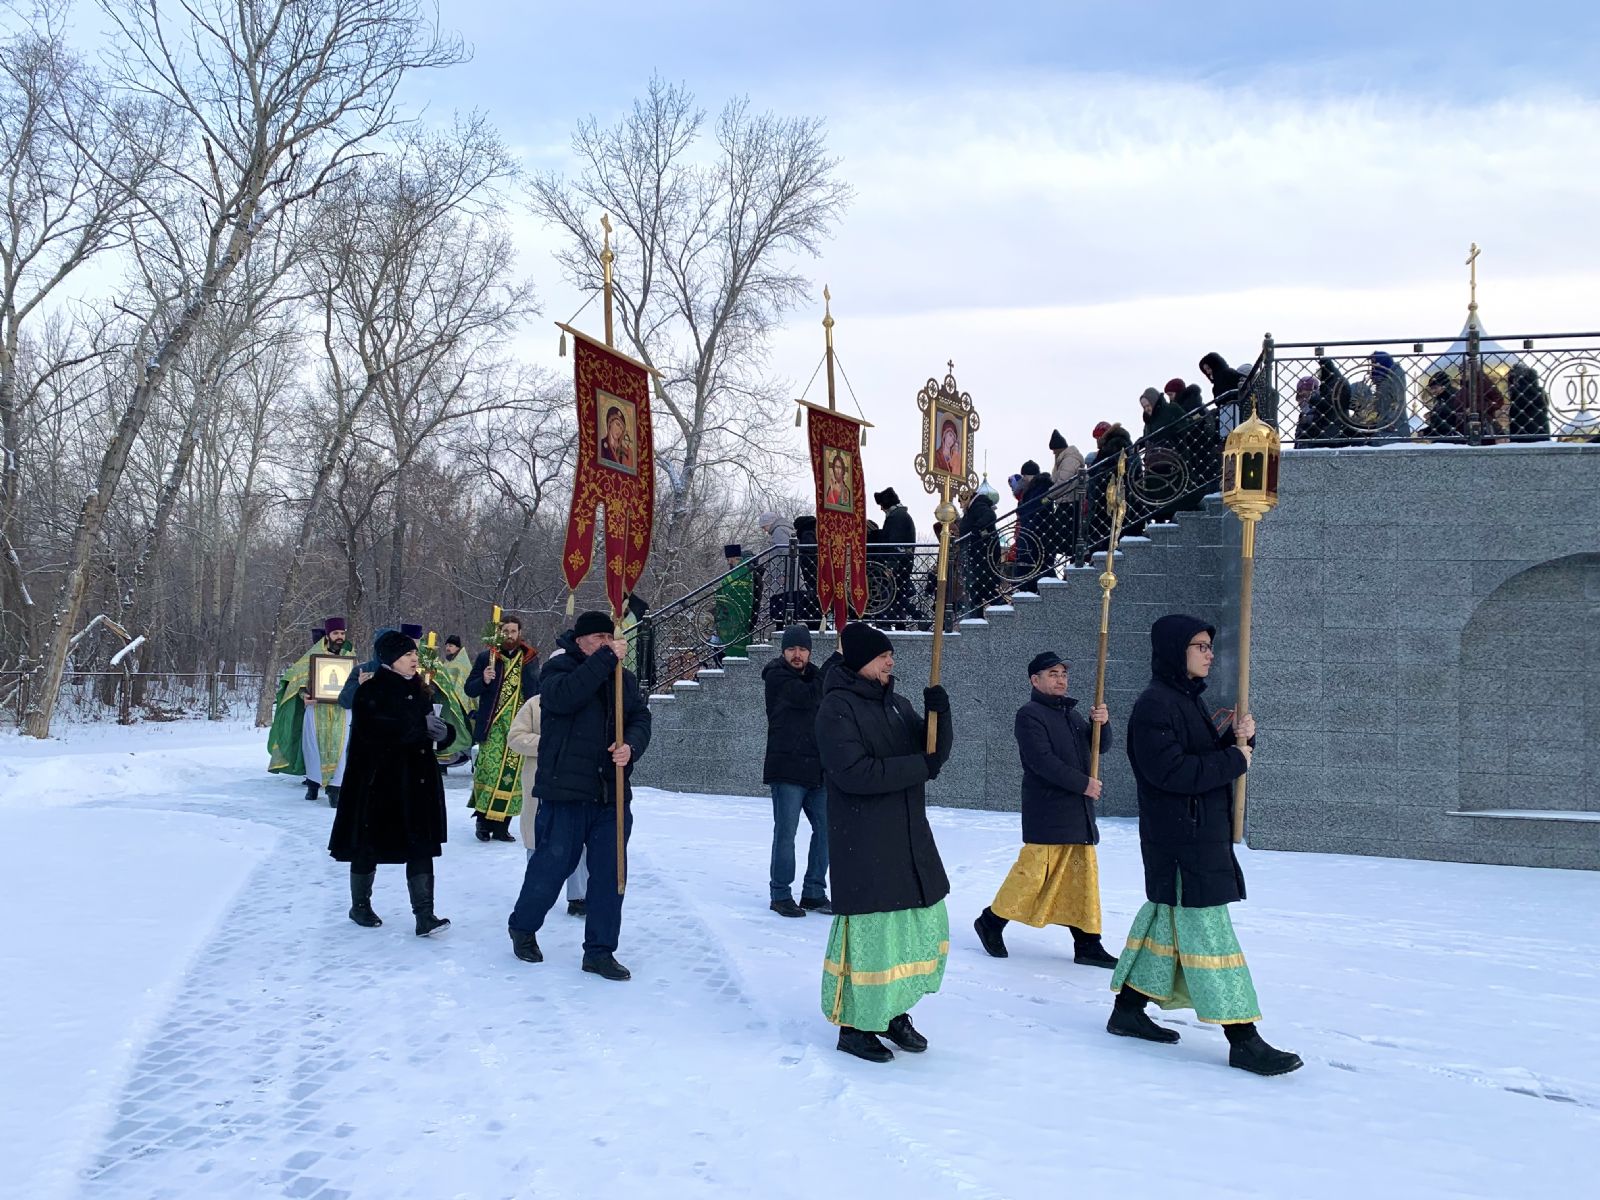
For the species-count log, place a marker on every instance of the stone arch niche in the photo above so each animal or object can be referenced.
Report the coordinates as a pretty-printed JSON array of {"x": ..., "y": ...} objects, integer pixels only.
[{"x": 1530, "y": 692}]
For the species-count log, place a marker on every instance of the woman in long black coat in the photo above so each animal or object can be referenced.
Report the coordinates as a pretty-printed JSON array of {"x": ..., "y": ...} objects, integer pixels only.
[
  {"x": 890, "y": 934},
  {"x": 1182, "y": 951},
  {"x": 391, "y": 809}
]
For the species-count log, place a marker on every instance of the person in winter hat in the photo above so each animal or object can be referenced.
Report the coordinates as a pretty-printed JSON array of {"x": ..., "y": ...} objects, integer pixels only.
[
  {"x": 793, "y": 770},
  {"x": 580, "y": 749},
  {"x": 391, "y": 807},
  {"x": 502, "y": 677},
  {"x": 1056, "y": 878},
  {"x": 1182, "y": 951},
  {"x": 890, "y": 934},
  {"x": 900, "y": 532}
]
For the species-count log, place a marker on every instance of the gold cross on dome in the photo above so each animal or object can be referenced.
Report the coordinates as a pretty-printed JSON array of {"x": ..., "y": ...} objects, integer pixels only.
[{"x": 1472, "y": 261}]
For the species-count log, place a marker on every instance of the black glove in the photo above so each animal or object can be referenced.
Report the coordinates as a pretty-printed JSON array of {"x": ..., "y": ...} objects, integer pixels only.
[
  {"x": 935, "y": 699},
  {"x": 438, "y": 728},
  {"x": 933, "y": 765}
]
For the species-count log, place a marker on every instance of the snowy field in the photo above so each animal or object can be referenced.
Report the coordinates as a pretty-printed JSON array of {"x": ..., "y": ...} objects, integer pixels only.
[{"x": 186, "y": 1012}]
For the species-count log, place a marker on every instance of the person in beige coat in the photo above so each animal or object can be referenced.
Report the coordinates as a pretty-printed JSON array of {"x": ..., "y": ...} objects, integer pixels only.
[{"x": 523, "y": 738}]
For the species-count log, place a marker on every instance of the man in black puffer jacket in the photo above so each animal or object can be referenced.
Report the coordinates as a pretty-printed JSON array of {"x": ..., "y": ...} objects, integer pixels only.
[
  {"x": 1182, "y": 951},
  {"x": 890, "y": 935},
  {"x": 1056, "y": 878},
  {"x": 579, "y": 751},
  {"x": 793, "y": 769}
]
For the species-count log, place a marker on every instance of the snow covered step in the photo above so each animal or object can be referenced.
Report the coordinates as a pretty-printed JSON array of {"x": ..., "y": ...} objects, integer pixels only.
[{"x": 1530, "y": 814}]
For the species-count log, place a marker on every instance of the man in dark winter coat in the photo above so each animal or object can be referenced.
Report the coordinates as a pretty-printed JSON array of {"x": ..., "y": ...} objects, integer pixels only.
[
  {"x": 391, "y": 808},
  {"x": 890, "y": 934},
  {"x": 899, "y": 532},
  {"x": 1033, "y": 527},
  {"x": 793, "y": 770},
  {"x": 1056, "y": 878},
  {"x": 977, "y": 550},
  {"x": 579, "y": 751},
  {"x": 1182, "y": 951}
]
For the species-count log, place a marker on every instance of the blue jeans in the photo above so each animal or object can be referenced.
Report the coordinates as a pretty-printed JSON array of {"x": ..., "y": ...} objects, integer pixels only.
[
  {"x": 562, "y": 832},
  {"x": 788, "y": 801}
]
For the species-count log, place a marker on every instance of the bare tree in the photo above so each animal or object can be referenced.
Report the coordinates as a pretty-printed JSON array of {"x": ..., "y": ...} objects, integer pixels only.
[
  {"x": 73, "y": 165},
  {"x": 415, "y": 295},
  {"x": 282, "y": 97},
  {"x": 704, "y": 267}
]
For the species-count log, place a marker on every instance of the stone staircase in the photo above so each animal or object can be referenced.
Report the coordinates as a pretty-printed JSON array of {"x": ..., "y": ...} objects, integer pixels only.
[{"x": 710, "y": 733}]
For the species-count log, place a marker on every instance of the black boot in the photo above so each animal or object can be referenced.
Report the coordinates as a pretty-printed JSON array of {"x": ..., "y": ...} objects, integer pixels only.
[
  {"x": 501, "y": 830},
  {"x": 482, "y": 827},
  {"x": 1248, "y": 1052},
  {"x": 817, "y": 904},
  {"x": 606, "y": 966},
  {"x": 333, "y": 796},
  {"x": 989, "y": 929},
  {"x": 526, "y": 946},
  {"x": 863, "y": 1045},
  {"x": 903, "y": 1034},
  {"x": 421, "y": 888},
  {"x": 577, "y": 908},
  {"x": 312, "y": 788},
  {"x": 1087, "y": 950},
  {"x": 1128, "y": 1019},
  {"x": 361, "y": 899},
  {"x": 787, "y": 908}
]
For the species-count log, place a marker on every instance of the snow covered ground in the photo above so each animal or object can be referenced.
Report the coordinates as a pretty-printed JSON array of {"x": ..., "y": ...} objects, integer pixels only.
[{"x": 186, "y": 1012}]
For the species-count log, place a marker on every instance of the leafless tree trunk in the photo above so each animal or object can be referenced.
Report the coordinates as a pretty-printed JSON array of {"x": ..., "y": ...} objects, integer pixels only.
[{"x": 282, "y": 97}]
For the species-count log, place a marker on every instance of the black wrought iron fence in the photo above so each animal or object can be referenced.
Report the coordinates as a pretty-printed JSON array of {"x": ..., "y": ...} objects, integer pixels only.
[{"x": 143, "y": 696}]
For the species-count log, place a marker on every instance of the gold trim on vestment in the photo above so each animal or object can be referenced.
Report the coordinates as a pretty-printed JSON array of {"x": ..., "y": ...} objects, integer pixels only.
[
  {"x": 893, "y": 975},
  {"x": 1205, "y": 962}
]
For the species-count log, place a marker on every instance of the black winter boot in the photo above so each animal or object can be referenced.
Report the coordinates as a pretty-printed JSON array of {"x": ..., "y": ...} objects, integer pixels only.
[
  {"x": 989, "y": 929},
  {"x": 787, "y": 908},
  {"x": 333, "y": 796},
  {"x": 482, "y": 828},
  {"x": 312, "y": 788},
  {"x": 903, "y": 1034},
  {"x": 421, "y": 889},
  {"x": 817, "y": 904},
  {"x": 1248, "y": 1052},
  {"x": 526, "y": 946},
  {"x": 1128, "y": 1019},
  {"x": 361, "y": 900},
  {"x": 1087, "y": 950},
  {"x": 577, "y": 908},
  {"x": 606, "y": 966},
  {"x": 501, "y": 830},
  {"x": 864, "y": 1045}
]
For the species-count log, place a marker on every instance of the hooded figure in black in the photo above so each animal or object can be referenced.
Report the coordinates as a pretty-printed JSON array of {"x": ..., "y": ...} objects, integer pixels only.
[
  {"x": 1529, "y": 413},
  {"x": 1182, "y": 951},
  {"x": 1056, "y": 878},
  {"x": 899, "y": 532},
  {"x": 978, "y": 552},
  {"x": 391, "y": 808},
  {"x": 1227, "y": 390},
  {"x": 890, "y": 934}
]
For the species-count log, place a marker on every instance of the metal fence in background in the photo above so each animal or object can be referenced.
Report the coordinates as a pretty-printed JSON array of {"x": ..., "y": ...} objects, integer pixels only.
[{"x": 90, "y": 696}]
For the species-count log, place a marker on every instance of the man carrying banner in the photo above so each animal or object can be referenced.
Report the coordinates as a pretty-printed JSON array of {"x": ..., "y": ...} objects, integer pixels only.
[
  {"x": 308, "y": 736},
  {"x": 504, "y": 675}
]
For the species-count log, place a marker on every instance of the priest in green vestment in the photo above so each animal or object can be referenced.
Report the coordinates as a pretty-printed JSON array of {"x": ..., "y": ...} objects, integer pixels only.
[
  {"x": 308, "y": 736},
  {"x": 503, "y": 676},
  {"x": 735, "y": 606}
]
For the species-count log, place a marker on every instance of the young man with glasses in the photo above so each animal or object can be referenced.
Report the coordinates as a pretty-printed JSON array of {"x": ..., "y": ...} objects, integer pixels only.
[{"x": 1182, "y": 951}]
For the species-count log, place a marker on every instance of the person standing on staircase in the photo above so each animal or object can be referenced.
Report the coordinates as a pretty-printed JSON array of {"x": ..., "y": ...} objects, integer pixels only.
[
  {"x": 793, "y": 770},
  {"x": 891, "y": 935},
  {"x": 1056, "y": 878},
  {"x": 1182, "y": 951}
]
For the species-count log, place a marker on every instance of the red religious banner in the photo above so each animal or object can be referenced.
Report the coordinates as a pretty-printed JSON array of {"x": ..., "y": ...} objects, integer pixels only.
[
  {"x": 616, "y": 467},
  {"x": 841, "y": 512}
]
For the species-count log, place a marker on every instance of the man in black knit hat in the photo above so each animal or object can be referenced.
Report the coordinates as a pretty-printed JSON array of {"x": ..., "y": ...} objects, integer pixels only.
[
  {"x": 890, "y": 934},
  {"x": 899, "y": 533},
  {"x": 580, "y": 748},
  {"x": 793, "y": 770}
]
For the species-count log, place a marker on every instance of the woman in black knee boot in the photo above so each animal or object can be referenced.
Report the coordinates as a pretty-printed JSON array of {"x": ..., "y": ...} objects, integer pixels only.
[{"x": 391, "y": 809}]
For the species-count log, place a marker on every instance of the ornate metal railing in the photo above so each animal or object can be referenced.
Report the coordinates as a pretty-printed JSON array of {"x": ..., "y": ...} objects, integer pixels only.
[{"x": 1462, "y": 390}]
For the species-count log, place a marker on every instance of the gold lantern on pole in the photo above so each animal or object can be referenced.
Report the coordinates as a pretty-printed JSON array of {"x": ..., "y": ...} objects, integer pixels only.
[{"x": 1250, "y": 490}]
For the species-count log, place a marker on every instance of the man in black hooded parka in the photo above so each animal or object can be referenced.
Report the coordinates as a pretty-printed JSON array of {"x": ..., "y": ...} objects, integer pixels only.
[{"x": 1182, "y": 951}]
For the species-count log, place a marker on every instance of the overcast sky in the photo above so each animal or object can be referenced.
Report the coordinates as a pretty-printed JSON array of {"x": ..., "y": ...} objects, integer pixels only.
[{"x": 1074, "y": 201}]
